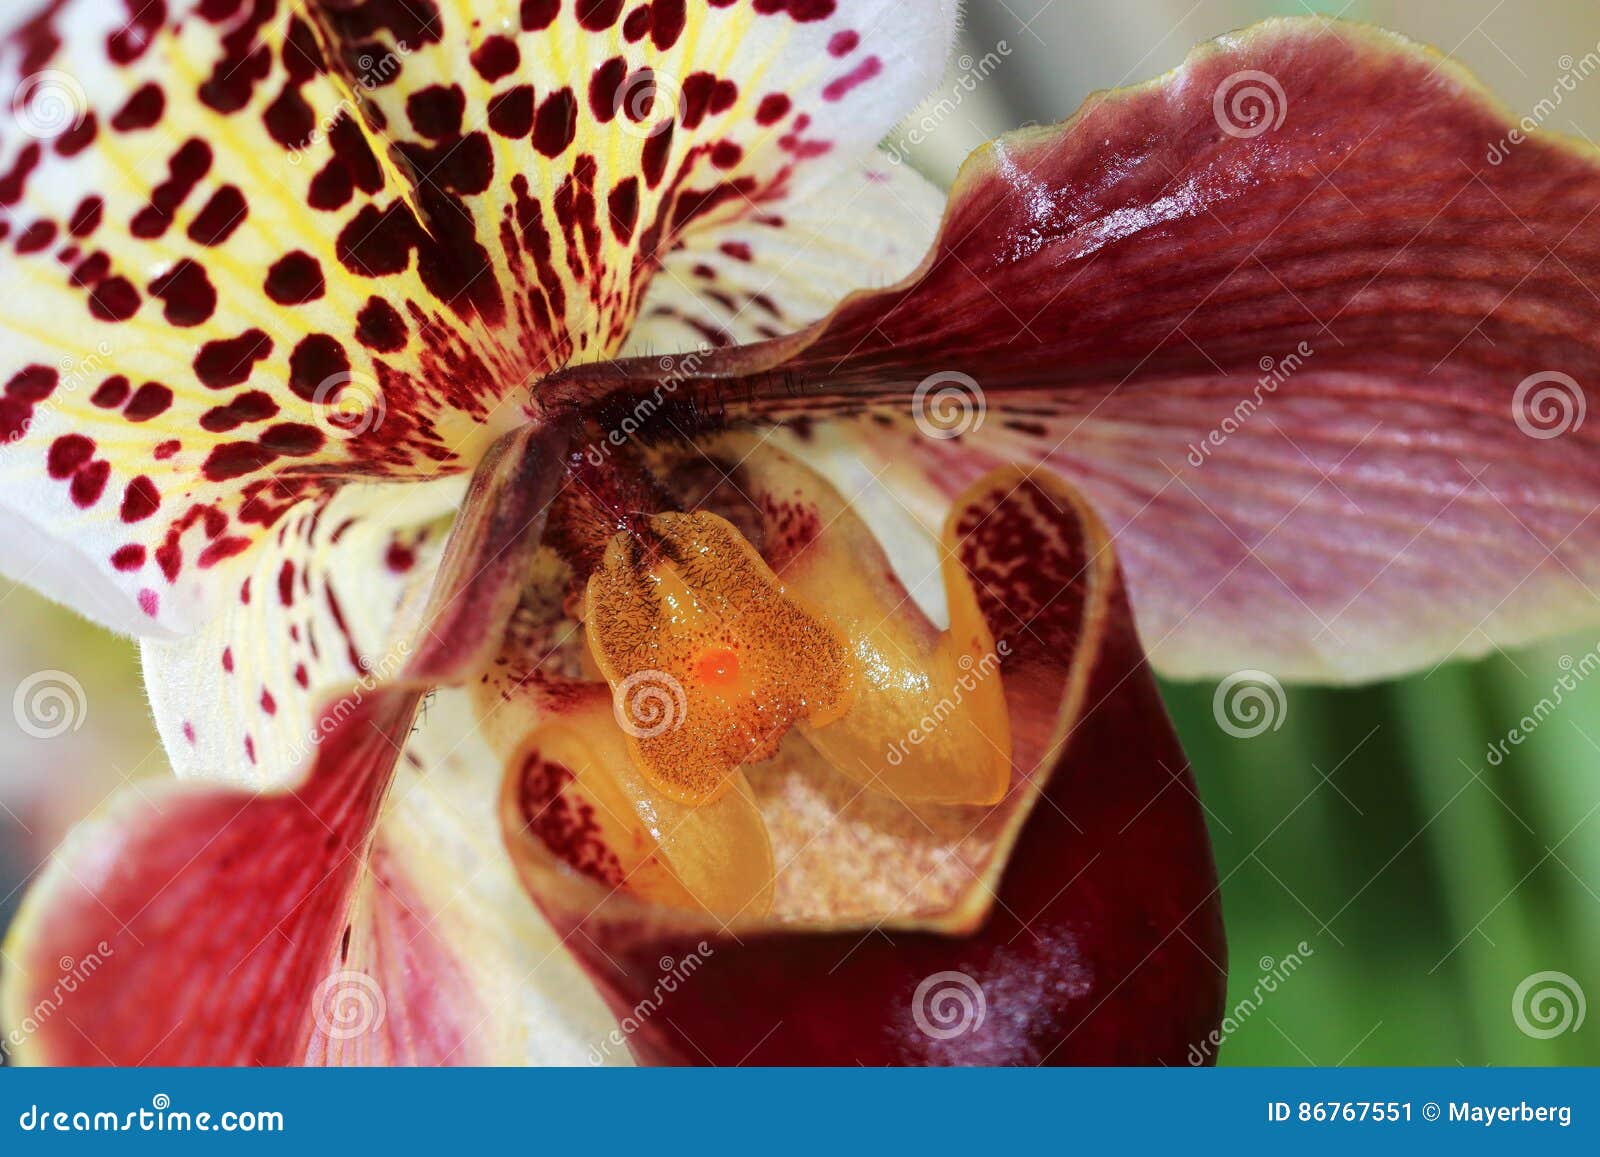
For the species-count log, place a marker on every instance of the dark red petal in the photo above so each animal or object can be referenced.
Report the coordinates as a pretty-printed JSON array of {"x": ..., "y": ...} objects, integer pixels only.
[{"x": 1404, "y": 275}]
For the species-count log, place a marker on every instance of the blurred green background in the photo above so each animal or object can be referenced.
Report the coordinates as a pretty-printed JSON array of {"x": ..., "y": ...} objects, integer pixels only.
[{"x": 1427, "y": 883}]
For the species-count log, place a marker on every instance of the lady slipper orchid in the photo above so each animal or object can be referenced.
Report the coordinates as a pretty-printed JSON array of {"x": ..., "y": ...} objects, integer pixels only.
[{"x": 557, "y": 587}]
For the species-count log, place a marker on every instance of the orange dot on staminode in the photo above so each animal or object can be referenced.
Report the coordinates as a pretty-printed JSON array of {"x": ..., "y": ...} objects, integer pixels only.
[{"x": 718, "y": 666}]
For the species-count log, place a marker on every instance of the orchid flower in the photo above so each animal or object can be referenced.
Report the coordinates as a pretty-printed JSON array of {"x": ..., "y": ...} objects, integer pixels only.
[{"x": 624, "y": 568}]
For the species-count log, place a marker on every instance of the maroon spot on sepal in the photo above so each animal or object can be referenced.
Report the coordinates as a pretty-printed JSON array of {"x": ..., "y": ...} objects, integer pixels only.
[
  {"x": 667, "y": 19},
  {"x": 140, "y": 500},
  {"x": 380, "y": 327},
  {"x": 250, "y": 406},
  {"x": 129, "y": 557},
  {"x": 597, "y": 15},
  {"x": 295, "y": 279},
  {"x": 228, "y": 362},
  {"x": 222, "y": 214},
  {"x": 773, "y": 108},
  {"x": 496, "y": 57},
  {"x": 436, "y": 111},
  {"x": 186, "y": 293},
  {"x": 36, "y": 237},
  {"x": 604, "y": 85},
  {"x": 114, "y": 299},
  {"x": 857, "y": 76},
  {"x": 150, "y": 400},
  {"x": 538, "y": 15},
  {"x": 86, "y": 217},
  {"x": 511, "y": 112},
  {"x": 128, "y": 43},
  {"x": 556, "y": 124},
  {"x": 188, "y": 165},
  {"x": 141, "y": 110},
  {"x": 318, "y": 362}
]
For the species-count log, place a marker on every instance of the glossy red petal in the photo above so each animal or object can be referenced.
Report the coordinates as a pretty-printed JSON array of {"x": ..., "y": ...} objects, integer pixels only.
[{"x": 1303, "y": 318}]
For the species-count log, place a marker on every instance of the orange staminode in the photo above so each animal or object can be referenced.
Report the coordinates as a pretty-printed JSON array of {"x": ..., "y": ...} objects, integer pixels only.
[{"x": 711, "y": 656}]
